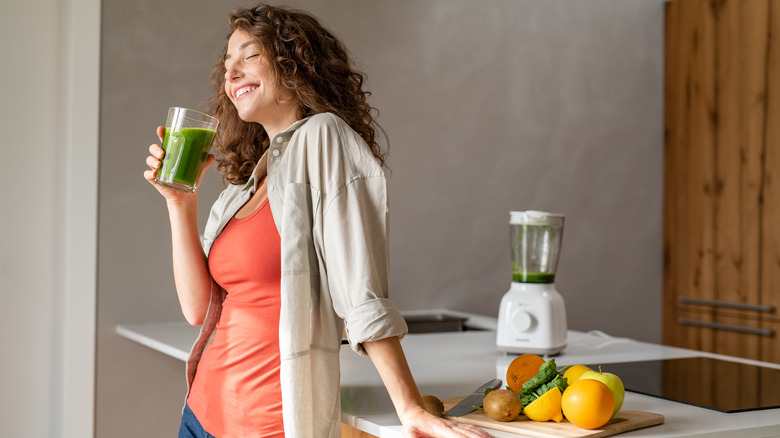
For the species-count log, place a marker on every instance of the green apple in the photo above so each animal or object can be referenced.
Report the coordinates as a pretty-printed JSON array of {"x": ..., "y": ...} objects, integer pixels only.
[{"x": 612, "y": 381}]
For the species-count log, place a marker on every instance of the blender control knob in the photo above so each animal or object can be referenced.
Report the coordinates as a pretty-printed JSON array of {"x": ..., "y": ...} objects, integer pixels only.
[{"x": 522, "y": 321}]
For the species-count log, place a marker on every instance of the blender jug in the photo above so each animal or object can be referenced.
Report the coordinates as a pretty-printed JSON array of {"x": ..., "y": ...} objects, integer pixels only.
[{"x": 535, "y": 245}]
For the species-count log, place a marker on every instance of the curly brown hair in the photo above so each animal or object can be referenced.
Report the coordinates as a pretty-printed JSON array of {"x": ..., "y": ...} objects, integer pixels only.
[{"x": 306, "y": 59}]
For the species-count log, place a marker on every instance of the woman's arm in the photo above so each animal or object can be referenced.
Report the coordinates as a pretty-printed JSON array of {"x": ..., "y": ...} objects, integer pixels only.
[
  {"x": 190, "y": 269},
  {"x": 389, "y": 359}
]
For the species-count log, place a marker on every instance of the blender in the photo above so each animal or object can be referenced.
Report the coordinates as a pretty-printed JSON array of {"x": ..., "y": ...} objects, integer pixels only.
[{"x": 532, "y": 314}]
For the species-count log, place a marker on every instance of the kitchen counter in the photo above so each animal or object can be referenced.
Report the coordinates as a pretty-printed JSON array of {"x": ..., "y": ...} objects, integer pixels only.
[{"x": 453, "y": 364}]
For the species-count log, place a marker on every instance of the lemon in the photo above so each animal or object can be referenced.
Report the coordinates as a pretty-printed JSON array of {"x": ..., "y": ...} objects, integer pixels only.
[
  {"x": 546, "y": 408},
  {"x": 574, "y": 372}
]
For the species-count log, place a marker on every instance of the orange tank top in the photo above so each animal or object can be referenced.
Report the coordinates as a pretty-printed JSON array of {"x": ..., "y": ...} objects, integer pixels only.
[{"x": 236, "y": 391}]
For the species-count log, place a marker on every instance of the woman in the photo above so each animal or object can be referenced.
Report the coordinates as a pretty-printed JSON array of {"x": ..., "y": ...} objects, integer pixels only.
[{"x": 295, "y": 248}]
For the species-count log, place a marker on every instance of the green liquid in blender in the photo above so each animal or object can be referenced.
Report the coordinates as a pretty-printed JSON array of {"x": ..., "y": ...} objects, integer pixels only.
[{"x": 533, "y": 277}]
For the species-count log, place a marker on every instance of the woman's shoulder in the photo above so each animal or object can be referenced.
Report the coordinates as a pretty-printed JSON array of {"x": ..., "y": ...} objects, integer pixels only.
[
  {"x": 329, "y": 131},
  {"x": 327, "y": 138},
  {"x": 326, "y": 121}
]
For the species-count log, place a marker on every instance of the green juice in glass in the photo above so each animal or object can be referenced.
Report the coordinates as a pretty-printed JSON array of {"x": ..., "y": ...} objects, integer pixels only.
[{"x": 186, "y": 150}]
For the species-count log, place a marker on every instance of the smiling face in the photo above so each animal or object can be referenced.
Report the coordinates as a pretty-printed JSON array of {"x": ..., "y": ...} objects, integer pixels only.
[{"x": 250, "y": 84}]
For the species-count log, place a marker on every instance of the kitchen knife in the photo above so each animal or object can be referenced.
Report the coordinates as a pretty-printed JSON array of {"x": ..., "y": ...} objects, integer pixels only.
[{"x": 467, "y": 404}]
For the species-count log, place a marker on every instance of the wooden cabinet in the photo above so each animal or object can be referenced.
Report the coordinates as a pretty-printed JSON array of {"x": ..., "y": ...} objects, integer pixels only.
[{"x": 722, "y": 177}]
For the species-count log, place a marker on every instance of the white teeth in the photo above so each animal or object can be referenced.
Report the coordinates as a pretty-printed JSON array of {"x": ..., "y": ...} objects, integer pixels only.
[{"x": 242, "y": 91}]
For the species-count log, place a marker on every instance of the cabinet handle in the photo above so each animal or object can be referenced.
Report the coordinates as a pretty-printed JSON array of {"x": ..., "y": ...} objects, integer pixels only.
[
  {"x": 728, "y": 304},
  {"x": 720, "y": 326}
]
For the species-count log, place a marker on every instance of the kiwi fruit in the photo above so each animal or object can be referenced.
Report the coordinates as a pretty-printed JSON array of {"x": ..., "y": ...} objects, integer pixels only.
[
  {"x": 502, "y": 405},
  {"x": 433, "y": 405}
]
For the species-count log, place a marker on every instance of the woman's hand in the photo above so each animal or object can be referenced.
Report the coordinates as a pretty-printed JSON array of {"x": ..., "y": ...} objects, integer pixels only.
[
  {"x": 154, "y": 161},
  {"x": 390, "y": 361},
  {"x": 420, "y": 424}
]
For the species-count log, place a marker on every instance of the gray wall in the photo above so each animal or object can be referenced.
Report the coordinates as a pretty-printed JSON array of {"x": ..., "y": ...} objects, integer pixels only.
[
  {"x": 29, "y": 264},
  {"x": 490, "y": 106},
  {"x": 48, "y": 189}
]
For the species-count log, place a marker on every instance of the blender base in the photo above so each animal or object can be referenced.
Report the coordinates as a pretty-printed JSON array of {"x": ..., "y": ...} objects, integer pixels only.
[{"x": 532, "y": 319}]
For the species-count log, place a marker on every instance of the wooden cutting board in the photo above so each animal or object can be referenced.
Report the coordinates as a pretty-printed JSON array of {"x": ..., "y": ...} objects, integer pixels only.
[{"x": 624, "y": 421}]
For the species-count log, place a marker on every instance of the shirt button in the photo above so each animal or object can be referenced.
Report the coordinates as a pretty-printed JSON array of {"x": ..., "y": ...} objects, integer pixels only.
[
  {"x": 279, "y": 139},
  {"x": 275, "y": 152},
  {"x": 270, "y": 187}
]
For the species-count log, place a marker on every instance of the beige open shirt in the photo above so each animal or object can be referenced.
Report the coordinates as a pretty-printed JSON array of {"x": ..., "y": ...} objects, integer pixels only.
[{"x": 328, "y": 196}]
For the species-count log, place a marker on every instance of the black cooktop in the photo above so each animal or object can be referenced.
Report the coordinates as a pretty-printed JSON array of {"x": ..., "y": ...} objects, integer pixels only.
[{"x": 716, "y": 384}]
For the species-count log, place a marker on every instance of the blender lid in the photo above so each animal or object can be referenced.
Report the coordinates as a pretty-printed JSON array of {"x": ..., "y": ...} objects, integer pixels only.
[{"x": 533, "y": 217}]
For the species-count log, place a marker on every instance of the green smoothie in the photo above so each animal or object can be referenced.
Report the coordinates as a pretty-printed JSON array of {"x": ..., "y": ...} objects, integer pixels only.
[
  {"x": 533, "y": 277},
  {"x": 186, "y": 150}
]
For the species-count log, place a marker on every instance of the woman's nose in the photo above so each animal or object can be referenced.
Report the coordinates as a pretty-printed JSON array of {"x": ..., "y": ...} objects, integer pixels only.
[{"x": 232, "y": 71}]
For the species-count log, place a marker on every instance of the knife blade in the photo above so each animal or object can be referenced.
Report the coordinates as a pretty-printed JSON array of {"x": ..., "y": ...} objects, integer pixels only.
[{"x": 475, "y": 399}]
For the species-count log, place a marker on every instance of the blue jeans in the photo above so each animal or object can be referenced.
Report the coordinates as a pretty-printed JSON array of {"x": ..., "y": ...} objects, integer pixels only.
[{"x": 190, "y": 426}]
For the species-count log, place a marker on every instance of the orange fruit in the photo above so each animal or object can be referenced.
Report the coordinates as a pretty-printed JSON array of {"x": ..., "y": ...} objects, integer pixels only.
[
  {"x": 545, "y": 408},
  {"x": 574, "y": 372},
  {"x": 521, "y": 369},
  {"x": 588, "y": 403}
]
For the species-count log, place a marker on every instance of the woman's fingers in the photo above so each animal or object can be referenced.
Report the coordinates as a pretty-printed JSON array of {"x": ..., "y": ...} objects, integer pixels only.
[
  {"x": 156, "y": 151},
  {"x": 152, "y": 162},
  {"x": 161, "y": 133}
]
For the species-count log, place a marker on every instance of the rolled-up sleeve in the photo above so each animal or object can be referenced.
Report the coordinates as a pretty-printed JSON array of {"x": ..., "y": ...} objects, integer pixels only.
[
  {"x": 355, "y": 244},
  {"x": 372, "y": 320}
]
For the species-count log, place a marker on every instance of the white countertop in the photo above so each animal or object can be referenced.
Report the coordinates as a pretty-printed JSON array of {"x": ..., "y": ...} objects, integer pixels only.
[{"x": 454, "y": 364}]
